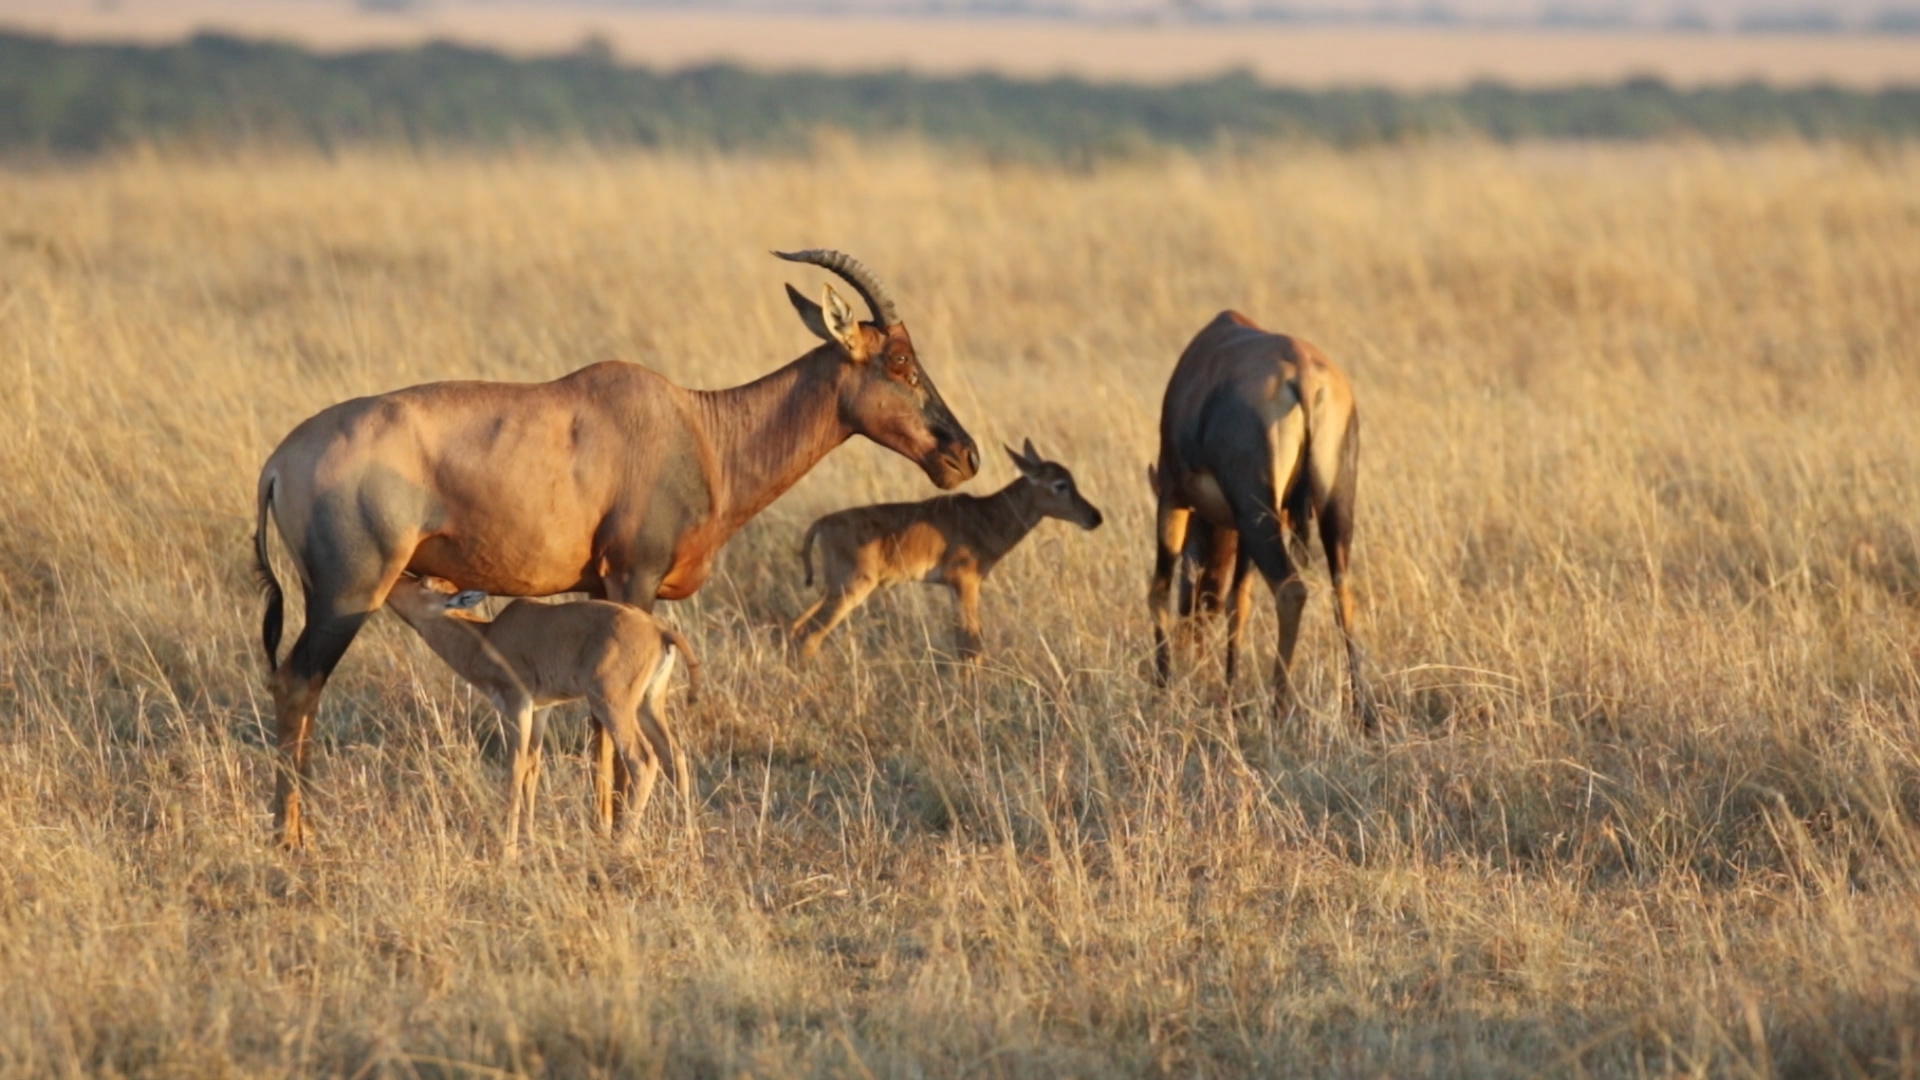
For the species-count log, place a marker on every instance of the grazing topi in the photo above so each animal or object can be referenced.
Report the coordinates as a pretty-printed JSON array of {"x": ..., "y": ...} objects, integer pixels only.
[{"x": 1258, "y": 432}]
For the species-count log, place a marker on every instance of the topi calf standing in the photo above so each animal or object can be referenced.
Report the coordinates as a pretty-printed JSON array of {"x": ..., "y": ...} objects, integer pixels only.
[
  {"x": 953, "y": 540},
  {"x": 618, "y": 658}
]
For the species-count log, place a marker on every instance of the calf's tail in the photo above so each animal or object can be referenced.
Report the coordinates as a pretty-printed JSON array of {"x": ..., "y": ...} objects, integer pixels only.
[{"x": 678, "y": 641}]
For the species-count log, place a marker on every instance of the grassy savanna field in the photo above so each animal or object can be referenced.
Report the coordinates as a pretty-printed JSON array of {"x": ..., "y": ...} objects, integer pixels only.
[{"x": 1638, "y": 559}]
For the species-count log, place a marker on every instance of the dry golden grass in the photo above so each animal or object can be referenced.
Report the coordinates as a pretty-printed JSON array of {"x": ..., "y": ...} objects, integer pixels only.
[{"x": 1639, "y": 556}]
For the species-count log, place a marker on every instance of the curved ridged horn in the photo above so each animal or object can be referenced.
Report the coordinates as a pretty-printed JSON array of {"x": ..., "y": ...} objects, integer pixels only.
[{"x": 856, "y": 274}]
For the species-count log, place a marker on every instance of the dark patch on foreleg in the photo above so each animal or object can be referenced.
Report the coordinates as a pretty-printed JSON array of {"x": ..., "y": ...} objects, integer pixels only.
[{"x": 297, "y": 686}]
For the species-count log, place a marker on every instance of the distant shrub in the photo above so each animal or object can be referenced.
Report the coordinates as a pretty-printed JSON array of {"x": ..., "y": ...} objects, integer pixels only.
[{"x": 79, "y": 98}]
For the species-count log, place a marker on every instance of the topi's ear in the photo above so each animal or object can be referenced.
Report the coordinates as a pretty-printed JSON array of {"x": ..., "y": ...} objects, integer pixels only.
[
  {"x": 809, "y": 314},
  {"x": 831, "y": 320},
  {"x": 843, "y": 323},
  {"x": 1026, "y": 467},
  {"x": 466, "y": 601},
  {"x": 1031, "y": 455}
]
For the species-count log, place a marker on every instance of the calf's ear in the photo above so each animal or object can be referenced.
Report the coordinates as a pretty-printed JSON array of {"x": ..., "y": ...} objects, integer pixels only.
[{"x": 1026, "y": 467}]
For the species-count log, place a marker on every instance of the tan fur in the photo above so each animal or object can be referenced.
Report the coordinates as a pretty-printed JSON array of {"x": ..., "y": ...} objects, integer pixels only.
[
  {"x": 954, "y": 540},
  {"x": 533, "y": 655}
]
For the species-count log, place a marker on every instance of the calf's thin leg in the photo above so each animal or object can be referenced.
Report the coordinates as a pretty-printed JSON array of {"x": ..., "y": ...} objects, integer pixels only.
[
  {"x": 621, "y": 585},
  {"x": 841, "y": 599},
  {"x": 534, "y": 767},
  {"x": 666, "y": 748},
  {"x": 623, "y": 730},
  {"x": 520, "y": 707},
  {"x": 600, "y": 760},
  {"x": 609, "y": 774},
  {"x": 653, "y": 721},
  {"x": 799, "y": 624},
  {"x": 966, "y": 591}
]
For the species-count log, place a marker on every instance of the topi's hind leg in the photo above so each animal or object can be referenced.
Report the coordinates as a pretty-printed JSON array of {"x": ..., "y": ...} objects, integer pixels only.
[
  {"x": 297, "y": 686},
  {"x": 1239, "y": 607},
  {"x": 1268, "y": 551},
  {"x": 1262, "y": 469},
  {"x": 1219, "y": 555},
  {"x": 1170, "y": 535},
  {"x": 351, "y": 566},
  {"x": 1336, "y": 538}
]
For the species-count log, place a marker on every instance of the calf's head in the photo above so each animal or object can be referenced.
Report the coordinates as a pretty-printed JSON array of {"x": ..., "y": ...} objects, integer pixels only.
[
  {"x": 1054, "y": 492},
  {"x": 420, "y": 598},
  {"x": 884, "y": 392}
]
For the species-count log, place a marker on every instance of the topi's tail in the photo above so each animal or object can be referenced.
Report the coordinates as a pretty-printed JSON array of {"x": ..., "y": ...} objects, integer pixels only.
[
  {"x": 270, "y": 623},
  {"x": 806, "y": 549}
]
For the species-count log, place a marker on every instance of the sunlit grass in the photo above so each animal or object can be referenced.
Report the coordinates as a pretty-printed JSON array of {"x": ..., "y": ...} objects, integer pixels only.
[{"x": 1639, "y": 550}]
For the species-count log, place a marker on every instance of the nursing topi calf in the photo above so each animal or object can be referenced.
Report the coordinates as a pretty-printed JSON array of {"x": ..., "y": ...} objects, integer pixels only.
[
  {"x": 610, "y": 481},
  {"x": 1258, "y": 434},
  {"x": 533, "y": 655},
  {"x": 953, "y": 540}
]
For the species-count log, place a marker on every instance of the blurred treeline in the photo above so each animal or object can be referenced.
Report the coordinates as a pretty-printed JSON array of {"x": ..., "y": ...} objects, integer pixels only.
[{"x": 67, "y": 98}]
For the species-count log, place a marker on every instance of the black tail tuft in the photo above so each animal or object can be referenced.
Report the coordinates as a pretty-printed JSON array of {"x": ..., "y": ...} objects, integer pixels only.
[
  {"x": 806, "y": 550},
  {"x": 271, "y": 621}
]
